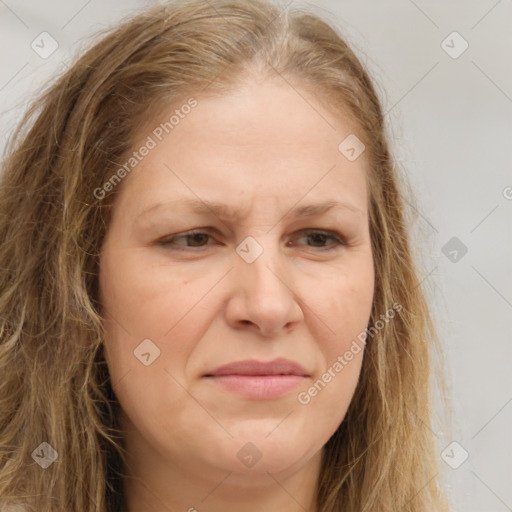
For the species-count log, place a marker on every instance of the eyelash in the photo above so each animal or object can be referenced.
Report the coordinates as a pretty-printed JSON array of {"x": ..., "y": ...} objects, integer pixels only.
[{"x": 338, "y": 239}]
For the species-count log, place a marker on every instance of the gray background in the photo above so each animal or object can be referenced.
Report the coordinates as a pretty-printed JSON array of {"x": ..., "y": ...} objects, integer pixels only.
[{"x": 450, "y": 121}]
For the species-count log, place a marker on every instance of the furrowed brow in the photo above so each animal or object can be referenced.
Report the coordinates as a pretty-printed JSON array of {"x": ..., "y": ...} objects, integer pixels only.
[{"x": 221, "y": 210}]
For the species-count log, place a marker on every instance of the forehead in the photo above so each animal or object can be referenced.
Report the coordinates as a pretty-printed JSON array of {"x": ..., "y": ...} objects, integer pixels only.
[{"x": 269, "y": 138}]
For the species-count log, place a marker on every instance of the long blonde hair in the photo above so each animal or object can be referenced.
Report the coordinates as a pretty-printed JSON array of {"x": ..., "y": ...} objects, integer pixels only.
[{"x": 55, "y": 385}]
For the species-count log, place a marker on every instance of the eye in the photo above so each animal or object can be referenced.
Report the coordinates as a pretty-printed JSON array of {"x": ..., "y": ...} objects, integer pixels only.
[
  {"x": 198, "y": 239},
  {"x": 319, "y": 236},
  {"x": 195, "y": 236}
]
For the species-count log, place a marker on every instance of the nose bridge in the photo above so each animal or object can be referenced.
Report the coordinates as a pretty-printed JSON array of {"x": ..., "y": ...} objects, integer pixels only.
[
  {"x": 262, "y": 258},
  {"x": 268, "y": 298}
]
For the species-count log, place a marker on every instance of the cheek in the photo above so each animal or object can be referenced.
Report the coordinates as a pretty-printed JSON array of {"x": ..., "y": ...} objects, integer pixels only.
[
  {"x": 145, "y": 299},
  {"x": 346, "y": 300},
  {"x": 145, "y": 306},
  {"x": 346, "y": 314},
  {"x": 345, "y": 307},
  {"x": 143, "y": 312}
]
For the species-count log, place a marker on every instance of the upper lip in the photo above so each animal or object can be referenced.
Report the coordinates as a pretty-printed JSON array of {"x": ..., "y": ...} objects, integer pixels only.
[{"x": 278, "y": 366}]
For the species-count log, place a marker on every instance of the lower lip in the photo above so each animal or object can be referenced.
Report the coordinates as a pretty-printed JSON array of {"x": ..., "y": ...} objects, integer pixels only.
[{"x": 259, "y": 387}]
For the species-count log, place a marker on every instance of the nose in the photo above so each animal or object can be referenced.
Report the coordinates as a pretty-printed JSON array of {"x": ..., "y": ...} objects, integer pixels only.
[{"x": 263, "y": 295}]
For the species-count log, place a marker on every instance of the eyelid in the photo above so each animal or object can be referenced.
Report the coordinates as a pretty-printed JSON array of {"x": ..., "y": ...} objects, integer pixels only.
[{"x": 339, "y": 238}]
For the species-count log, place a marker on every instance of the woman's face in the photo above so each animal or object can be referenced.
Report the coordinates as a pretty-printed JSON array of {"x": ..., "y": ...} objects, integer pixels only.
[{"x": 264, "y": 278}]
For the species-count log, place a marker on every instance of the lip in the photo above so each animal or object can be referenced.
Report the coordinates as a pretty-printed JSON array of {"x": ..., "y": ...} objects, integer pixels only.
[
  {"x": 278, "y": 366},
  {"x": 258, "y": 380}
]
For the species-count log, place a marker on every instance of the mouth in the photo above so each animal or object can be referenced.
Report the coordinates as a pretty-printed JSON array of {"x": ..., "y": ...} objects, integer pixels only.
[
  {"x": 256, "y": 380},
  {"x": 251, "y": 367}
]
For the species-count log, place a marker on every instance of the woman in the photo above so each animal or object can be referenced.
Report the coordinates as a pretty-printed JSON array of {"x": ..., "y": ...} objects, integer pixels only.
[{"x": 248, "y": 370}]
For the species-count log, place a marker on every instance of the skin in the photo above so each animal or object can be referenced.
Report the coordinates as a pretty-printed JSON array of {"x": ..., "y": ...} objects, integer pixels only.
[{"x": 263, "y": 151}]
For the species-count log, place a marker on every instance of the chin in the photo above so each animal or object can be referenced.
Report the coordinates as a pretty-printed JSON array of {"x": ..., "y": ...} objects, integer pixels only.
[{"x": 258, "y": 455}]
